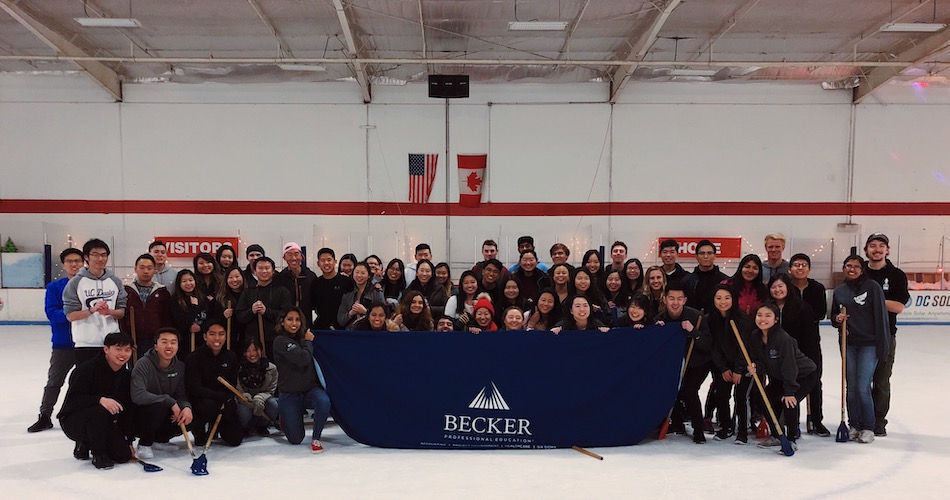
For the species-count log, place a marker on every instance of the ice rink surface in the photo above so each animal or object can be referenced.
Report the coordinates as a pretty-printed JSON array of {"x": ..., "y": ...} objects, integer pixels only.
[{"x": 913, "y": 461}]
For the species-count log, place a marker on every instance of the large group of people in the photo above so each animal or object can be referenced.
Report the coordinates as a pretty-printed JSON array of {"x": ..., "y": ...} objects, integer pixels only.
[{"x": 150, "y": 355}]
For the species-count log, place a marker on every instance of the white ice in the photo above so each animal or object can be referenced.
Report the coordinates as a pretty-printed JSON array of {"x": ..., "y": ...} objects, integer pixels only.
[{"x": 911, "y": 462}]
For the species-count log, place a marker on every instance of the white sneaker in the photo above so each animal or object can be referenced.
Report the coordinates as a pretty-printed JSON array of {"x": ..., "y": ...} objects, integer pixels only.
[
  {"x": 144, "y": 452},
  {"x": 169, "y": 447},
  {"x": 769, "y": 442},
  {"x": 866, "y": 436},
  {"x": 853, "y": 434}
]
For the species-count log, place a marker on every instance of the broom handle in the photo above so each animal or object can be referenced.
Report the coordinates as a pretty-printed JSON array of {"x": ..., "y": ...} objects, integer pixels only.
[
  {"x": 135, "y": 347},
  {"x": 844, "y": 357},
  {"x": 755, "y": 376},
  {"x": 229, "y": 326},
  {"x": 260, "y": 328}
]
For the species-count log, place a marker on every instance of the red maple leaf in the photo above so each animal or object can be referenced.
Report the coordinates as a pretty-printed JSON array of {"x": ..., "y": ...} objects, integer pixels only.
[{"x": 473, "y": 181}]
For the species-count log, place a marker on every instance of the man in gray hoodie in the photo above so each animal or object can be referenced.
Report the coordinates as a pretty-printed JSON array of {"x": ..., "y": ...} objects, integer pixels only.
[
  {"x": 158, "y": 391},
  {"x": 94, "y": 301}
]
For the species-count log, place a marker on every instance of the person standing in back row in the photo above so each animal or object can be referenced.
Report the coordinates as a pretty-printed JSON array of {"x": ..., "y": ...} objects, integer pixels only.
[
  {"x": 63, "y": 357},
  {"x": 328, "y": 290},
  {"x": 94, "y": 301},
  {"x": 894, "y": 283}
]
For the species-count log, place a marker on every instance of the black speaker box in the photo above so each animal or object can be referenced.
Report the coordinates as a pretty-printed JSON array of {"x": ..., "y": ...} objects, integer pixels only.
[{"x": 448, "y": 86}]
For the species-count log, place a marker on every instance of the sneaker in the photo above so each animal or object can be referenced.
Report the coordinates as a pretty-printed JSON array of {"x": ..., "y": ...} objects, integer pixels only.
[
  {"x": 42, "y": 423},
  {"x": 879, "y": 430},
  {"x": 866, "y": 436},
  {"x": 699, "y": 438},
  {"x": 794, "y": 448},
  {"x": 144, "y": 452},
  {"x": 769, "y": 442},
  {"x": 853, "y": 434},
  {"x": 81, "y": 452},
  {"x": 169, "y": 447},
  {"x": 677, "y": 429},
  {"x": 723, "y": 434},
  {"x": 742, "y": 440},
  {"x": 820, "y": 430},
  {"x": 316, "y": 447},
  {"x": 102, "y": 461}
]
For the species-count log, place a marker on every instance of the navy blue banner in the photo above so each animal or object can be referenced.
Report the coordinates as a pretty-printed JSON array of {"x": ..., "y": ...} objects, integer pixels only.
[{"x": 501, "y": 389}]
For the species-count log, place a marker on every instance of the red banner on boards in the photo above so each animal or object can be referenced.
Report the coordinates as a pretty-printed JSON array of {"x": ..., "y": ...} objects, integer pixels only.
[
  {"x": 186, "y": 247},
  {"x": 729, "y": 248}
]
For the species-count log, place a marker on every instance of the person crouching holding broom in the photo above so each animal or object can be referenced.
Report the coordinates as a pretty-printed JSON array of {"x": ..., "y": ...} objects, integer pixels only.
[{"x": 791, "y": 374}]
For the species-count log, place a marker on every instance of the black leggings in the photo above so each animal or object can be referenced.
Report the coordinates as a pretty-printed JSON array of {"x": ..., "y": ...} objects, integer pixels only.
[
  {"x": 775, "y": 392},
  {"x": 99, "y": 431}
]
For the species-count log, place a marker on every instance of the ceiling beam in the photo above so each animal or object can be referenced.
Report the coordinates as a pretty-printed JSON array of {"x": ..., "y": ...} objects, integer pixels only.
[
  {"x": 851, "y": 46},
  {"x": 644, "y": 39},
  {"x": 730, "y": 23},
  {"x": 566, "y": 46},
  {"x": 282, "y": 46},
  {"x": 353, "y": 51},
  {"x": 102, "y": 74},
  {"x": 927, "y": 48}
]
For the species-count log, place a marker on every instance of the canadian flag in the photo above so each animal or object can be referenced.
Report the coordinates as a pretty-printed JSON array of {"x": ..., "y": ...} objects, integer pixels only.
[{"x": 471, "y": 179}]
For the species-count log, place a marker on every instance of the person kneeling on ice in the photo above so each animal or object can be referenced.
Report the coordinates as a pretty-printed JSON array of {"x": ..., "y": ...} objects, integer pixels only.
[
  {"x": 297, "y": 380},
  {"x": 158, "y": 391},
  {"x": 257, "y": 380},
  {"x": 96, "y": 413},
  {"x": 791, "y": 374},
  {"x": 208, "y": 396}
]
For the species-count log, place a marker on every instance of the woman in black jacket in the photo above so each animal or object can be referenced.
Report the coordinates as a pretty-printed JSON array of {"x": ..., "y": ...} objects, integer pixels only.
[
  {"x": 731, "y": 370},
  {"x": 791, "y": 374},
  {"x": 191, "y": 312}
]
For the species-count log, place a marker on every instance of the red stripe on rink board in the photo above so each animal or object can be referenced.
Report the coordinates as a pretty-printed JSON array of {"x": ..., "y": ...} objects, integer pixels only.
[{"x": 716, "y": 208}]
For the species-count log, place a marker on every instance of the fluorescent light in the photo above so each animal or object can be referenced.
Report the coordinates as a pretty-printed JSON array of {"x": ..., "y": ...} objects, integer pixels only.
[
  {"x": 913, "y": 27},
  {"x": 692, "y": 72},
  {"x": 537, "y": 25},
  {"x": 302, "y": 67},
  {"x": 108, "y": 22}
]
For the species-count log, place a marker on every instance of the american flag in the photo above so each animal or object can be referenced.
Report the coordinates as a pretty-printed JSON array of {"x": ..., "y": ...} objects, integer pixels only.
[{"x": 421, "y": 174}]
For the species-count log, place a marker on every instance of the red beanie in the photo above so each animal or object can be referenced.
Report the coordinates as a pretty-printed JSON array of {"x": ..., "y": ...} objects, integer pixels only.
[{"x": 484, "y": 301}]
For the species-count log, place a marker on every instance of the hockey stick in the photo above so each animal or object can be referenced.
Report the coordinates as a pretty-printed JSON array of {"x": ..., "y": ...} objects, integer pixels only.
[
  {"x": 842, "y": 435},
  {"x": 665, "y": 428},
  {"x": 786, "y": 445},
  {"x": 241, "y": 397}
]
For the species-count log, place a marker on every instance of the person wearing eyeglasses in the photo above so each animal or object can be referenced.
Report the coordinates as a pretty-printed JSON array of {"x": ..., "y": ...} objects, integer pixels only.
[
  {"x": 94, "y": 301},
  {"x": 812, "y": 293}
]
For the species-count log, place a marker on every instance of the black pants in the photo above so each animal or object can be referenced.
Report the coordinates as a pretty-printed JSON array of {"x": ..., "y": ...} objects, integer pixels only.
[
  {"x": 153, "y": 423},
  {"x": 813, "y": 351},
  {"x": 206, "y": 411},
  {"x": 775, "y": 392},
  {"x": 689, "y": 394},
  {"x": 99, "y": 430},
  {"x": 84, "y": 354}
]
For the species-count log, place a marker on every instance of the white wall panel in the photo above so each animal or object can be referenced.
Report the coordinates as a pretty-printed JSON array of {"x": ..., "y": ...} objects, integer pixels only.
[
  {"x": 730, "y": 152},
  {"x": 60, "y": 151},
  {"x": 902, "y": 153},
  {"x": 556, "y": 152},
  {"x": 244, "y": 151}
]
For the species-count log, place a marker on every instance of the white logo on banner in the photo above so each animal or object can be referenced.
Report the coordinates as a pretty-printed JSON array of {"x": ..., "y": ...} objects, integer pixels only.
[{"x": 489, "y": 398}]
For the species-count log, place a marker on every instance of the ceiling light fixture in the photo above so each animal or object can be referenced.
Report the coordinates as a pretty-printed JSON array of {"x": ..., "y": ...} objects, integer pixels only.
[
  {"x": 537, "y": 25},
  {"x": 108, "y": 22},
  {"x": 912, "y": 27},
  {"x": 302, "y": 67},
  {"x": 692, "y": 72}
]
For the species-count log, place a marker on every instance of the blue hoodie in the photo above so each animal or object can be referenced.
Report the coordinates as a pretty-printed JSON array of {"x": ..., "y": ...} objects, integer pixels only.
[{"x": 62, "y": 333}]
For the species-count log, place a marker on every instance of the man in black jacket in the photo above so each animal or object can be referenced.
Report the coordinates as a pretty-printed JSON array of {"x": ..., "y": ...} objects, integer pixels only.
[
  {"x": 209, "y": 397},
  {"x": 700, "y": 285},
  {"x": 96, "y": 413},
  {"x": 297, "y": 278},
  {"x": 264, "y": 299}
]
